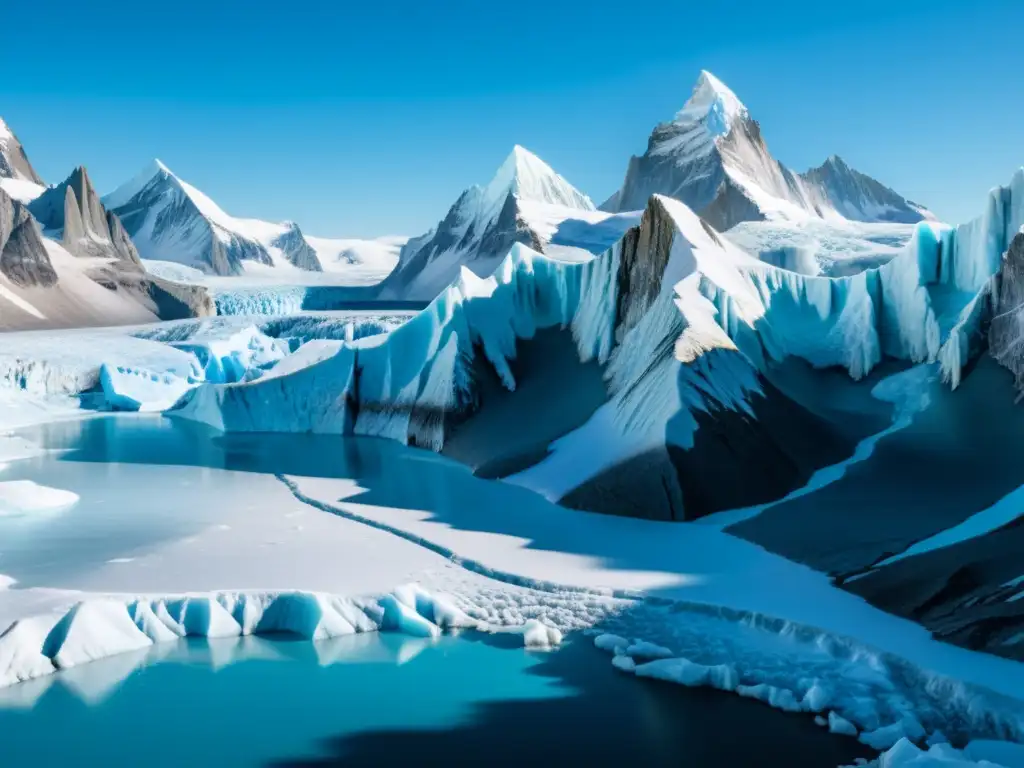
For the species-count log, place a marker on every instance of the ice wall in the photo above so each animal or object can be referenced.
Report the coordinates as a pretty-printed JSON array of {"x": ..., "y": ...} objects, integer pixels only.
[
  {"x": 277, "y": 300},
  {"x": 670, "y": 284}
]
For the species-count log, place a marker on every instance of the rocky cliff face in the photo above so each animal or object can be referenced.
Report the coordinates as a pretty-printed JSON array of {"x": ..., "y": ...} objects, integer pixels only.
[
  {"x": 72, "y": 212},
  {"x": 23, "y": 257},
  {"x": 1006, "y": 331},
  {"x": 294, "y": 247}
]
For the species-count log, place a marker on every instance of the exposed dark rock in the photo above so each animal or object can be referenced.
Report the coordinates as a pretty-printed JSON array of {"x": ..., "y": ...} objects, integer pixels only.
[
  {"x": 295, "y": 248},
  {"x": 23, "y": 256},
  {"x": 1006, "y": 330},
  {"x": 73, "y": 212}
]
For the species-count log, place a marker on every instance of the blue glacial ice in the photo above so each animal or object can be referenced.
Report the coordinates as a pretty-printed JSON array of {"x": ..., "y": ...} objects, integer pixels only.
[{"x": 697, "y": 293}]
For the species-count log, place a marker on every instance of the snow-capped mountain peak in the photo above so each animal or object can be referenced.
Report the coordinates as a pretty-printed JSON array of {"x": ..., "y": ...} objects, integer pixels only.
[
  {"x": 525, "y": 202},
  {"x": 713, "y": 158},
  {"x": 154, "y": 171},
  {"x": 713, "y": 104},
  {"x": 170, "y": 220},
  {"x": 17, "y": 176},
  {"x": 526, "y": 177}
]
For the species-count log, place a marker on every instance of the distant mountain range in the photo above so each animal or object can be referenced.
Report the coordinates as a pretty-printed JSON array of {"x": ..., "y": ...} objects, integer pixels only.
[
  {"x": 171, "y": 220},
  {"x": 710, "y": 156}
]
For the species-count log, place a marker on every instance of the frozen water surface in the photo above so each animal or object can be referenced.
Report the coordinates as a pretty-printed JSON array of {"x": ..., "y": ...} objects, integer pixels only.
[
  {"x": 384, "y": 699},
  {"x": 180, "y": 530}
]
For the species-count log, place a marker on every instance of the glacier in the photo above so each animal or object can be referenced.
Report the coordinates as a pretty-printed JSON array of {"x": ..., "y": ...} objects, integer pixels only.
[{"x": 680, "y": 320}]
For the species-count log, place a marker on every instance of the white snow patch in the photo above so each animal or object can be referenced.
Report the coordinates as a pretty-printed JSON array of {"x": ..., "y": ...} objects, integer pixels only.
[{"x": 25, "y": 497}]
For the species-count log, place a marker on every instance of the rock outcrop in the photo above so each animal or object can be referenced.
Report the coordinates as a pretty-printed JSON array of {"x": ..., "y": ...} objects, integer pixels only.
[
  {"x": 72, "y": 212},
  {"x": 294, "y": 247},
  {"x": 23, "y": 257}
]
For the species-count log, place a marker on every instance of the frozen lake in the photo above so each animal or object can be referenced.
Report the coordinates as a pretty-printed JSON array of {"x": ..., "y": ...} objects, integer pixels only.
[
  {"x": 170, "y": 506},
  {"x": 383, "y": 699}
]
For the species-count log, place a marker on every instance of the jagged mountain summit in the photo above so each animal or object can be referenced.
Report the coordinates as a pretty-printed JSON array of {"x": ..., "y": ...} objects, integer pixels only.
[
  {"x": 712, "y": 157},
  {"x": 72, "y": 213},
  {"x": 170, "y": 220},
  {"x": 17, "y": 176},
  {"x": 45, "y": 285},
  {"x": 526, "y": 202},
  {"x": 859, "y": 197}
]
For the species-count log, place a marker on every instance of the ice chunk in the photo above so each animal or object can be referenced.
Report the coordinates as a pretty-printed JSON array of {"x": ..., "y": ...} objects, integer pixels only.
[
  {"x": 624, "y": 664},
  {"x": 21, "y": 654},
  {"x": 686, "y": 672},
  {"x": 611, "y": 643},
  {"x": 92, "y": 630},
  {"x": 403, "y": 618},
  {"x": 644, "y": 650},
  {"x": 977, "y": 754},
  {"x": 137, "y": 389},
  {"x": 540, "y": 636},
  {"x": 840, "y": 725},
  {"x": 227, "y": 358},
  {"x": 887, "y": 736}
]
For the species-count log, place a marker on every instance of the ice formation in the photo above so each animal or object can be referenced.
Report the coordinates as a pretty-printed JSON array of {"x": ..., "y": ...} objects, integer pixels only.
[
  {"x": 981, "y": 753},
  {"x": 685, "y": 326},
  {"x": 103, "y": 626}
]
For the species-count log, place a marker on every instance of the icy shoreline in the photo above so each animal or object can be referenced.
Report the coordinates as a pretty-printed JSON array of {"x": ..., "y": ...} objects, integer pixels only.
[
  {"x": 789, "y": 665},
  {"x": 862, "y": 691}
]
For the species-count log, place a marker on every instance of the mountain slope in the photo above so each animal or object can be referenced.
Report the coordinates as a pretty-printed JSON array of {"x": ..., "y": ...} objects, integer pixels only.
[
  {"x": 17, "y": 176},
  {"x": 170, "y": 220},
  {"x": 712, "y": 157},
  {"x": 526, "y": 202}
]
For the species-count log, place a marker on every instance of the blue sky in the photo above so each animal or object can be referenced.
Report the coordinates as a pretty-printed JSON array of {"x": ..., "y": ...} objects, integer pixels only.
[{"x": 367, "y": 120}]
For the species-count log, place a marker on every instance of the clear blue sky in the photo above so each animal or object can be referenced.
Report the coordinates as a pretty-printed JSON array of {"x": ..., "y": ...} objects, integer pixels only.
[{"x": 369, "y": 120}]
